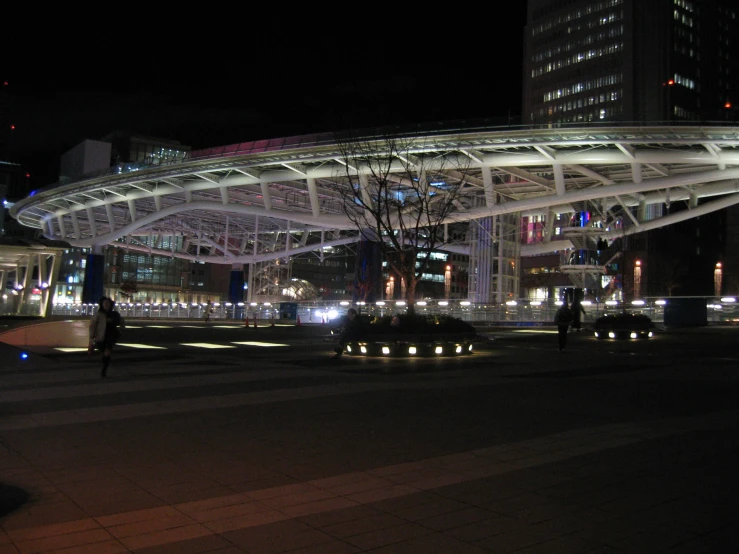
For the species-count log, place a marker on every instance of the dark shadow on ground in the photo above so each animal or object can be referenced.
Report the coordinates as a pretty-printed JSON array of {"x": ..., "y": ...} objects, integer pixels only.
[
  {"x": 11, "y": 498},
  {"x": 393, "y": 365}
]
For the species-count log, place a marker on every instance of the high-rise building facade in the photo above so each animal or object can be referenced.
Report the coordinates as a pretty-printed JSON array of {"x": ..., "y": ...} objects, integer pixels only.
[
  {"x": 631, "y": 61},
  {"x": 643, "y": 62}
]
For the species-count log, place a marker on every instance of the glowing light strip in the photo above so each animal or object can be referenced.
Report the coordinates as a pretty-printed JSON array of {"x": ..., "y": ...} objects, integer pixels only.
[
  {"x": 254, "y": 343},
  {"x": 206, "y": 345},
  {"x": 144, "y": 346}
]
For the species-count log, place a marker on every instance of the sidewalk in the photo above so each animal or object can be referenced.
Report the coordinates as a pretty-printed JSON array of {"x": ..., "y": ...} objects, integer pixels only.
[{"x": 239, "y": 452}]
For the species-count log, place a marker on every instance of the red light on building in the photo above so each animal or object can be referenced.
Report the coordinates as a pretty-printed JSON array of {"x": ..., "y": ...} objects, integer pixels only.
[
  {"x": 12, "y": 127},
  {"x": 727, "y": 105}
]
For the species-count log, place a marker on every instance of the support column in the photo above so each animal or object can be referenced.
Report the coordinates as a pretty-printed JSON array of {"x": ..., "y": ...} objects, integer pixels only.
[
  {"x": 25, "y": 293},
  {"x": 52, "y": 277},
  {"x": 480, "y": 261},
  {"x": 236, "y": 284},
  {"x": 43, "y": 284},
  {"x": 5, "y": 300},
  {"x": 92, "y": 288},
  {"x": 495, "y": 254},
  {"x": 252, "y": 266},
  {"x": 368, "y": 283},
  {"x": 250, "y": 283}
]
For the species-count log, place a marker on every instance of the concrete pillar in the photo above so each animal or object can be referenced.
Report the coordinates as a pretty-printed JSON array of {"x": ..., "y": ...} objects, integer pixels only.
[
  {"x": 93, "y": 286},
  {"x": 236, "y": 284}
]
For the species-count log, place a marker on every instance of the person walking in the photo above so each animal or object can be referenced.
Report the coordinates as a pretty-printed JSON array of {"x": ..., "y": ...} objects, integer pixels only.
[
  {"x": 562, "y": 319},
  {"x": 351, "y": 331},
  {"x": 577, "y": 311},
  {"x": 104, "y": 331}
]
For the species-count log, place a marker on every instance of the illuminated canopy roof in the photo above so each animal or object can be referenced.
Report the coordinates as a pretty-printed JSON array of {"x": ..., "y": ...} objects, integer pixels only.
[{"x": 262, "y": 200}]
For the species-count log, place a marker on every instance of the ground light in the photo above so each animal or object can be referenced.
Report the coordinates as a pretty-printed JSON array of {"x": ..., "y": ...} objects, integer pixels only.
[{"x": 24, "y": 355}]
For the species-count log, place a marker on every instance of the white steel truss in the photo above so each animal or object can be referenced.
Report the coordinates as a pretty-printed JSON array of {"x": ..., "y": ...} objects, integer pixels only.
[{"x": 260, "y": 201}]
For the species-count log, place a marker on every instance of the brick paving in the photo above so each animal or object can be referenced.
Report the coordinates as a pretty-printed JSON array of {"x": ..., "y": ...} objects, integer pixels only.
[{"x": 605, "y": 448}]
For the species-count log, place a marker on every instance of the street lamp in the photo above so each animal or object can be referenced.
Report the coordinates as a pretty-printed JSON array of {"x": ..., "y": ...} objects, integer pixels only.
[
  {"x": 390, "y": 289},
  {"x": 727, "y": 110},
  {"x": 669, "y": 84},
  {"x": 717, "y": 278},
  {"x": 637, "y": 279}
]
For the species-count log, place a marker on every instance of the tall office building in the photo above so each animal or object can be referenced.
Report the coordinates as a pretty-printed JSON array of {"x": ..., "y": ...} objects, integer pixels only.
[
  {"x": 646, "y": 62},
  {"x": 630, "y": 60}
]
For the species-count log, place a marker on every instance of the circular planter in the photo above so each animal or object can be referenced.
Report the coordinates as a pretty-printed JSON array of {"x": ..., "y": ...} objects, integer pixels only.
[
  {"x": 411, "y": 346},
  {"x": 413, "y": 337},
  {"x": 623, "y": 327}
]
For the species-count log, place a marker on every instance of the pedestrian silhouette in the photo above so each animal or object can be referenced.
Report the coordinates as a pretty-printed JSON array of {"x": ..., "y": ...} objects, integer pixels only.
[
  {"x": 562, "y": 319},
  {"x": 351, "y": 331},
  {"x": 577, "y": 312},
  {"x": 104, "y": 331}
]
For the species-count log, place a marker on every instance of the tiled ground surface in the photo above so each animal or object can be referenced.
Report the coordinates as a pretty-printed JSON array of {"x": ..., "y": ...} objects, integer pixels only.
[{"x": 526, "y": 453}]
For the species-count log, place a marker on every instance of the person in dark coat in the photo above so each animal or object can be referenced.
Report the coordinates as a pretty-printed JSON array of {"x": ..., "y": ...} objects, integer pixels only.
[
  {"x": 352, "y": 331},
  {"x": 104, "y": 331},
  {"x": 577, "y": 312},
  {"x": 562, "y": 319}
]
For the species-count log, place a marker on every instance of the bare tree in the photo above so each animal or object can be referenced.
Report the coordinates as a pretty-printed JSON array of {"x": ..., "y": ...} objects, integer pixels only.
[
  {"x": 671, "y": 270},
  {"x": 401, "y": 195}
]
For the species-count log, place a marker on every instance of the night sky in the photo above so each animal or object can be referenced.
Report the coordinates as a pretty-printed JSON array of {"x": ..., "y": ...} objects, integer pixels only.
[{"x": 228, "y": 96}]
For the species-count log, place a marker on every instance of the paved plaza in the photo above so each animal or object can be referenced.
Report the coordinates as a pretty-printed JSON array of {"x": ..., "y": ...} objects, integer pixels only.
[{"x": 225, "y": 439}]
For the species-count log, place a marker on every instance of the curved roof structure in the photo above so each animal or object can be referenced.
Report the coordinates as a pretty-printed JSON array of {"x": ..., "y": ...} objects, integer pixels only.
[{"x": 263, "y": 200}]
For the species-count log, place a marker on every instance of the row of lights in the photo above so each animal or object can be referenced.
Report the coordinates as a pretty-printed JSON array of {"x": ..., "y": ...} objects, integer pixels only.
[
  {"x": 725, "y": 300},
  {"x": 412, "y": 350},
  {"x": 165, "y": 305},
  {"x": 633, "y": 335}
]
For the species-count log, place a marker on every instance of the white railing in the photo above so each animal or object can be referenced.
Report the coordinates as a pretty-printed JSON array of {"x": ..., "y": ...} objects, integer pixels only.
[{"x": 522, "y": 312}]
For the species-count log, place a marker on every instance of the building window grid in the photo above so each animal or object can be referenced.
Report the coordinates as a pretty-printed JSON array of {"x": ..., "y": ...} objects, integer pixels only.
[
  {"x": 684, "y": 81},
  {"x": 584, "y": 103},
  {"x": 613, "y": 32},
  {"x": 156, "y": 270},
  {"x": 574, "y": 15},
  {"x": 683, "y": 18},
  {"x": 583, "y": 87},
  {"x": 580, "y": 57}
]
